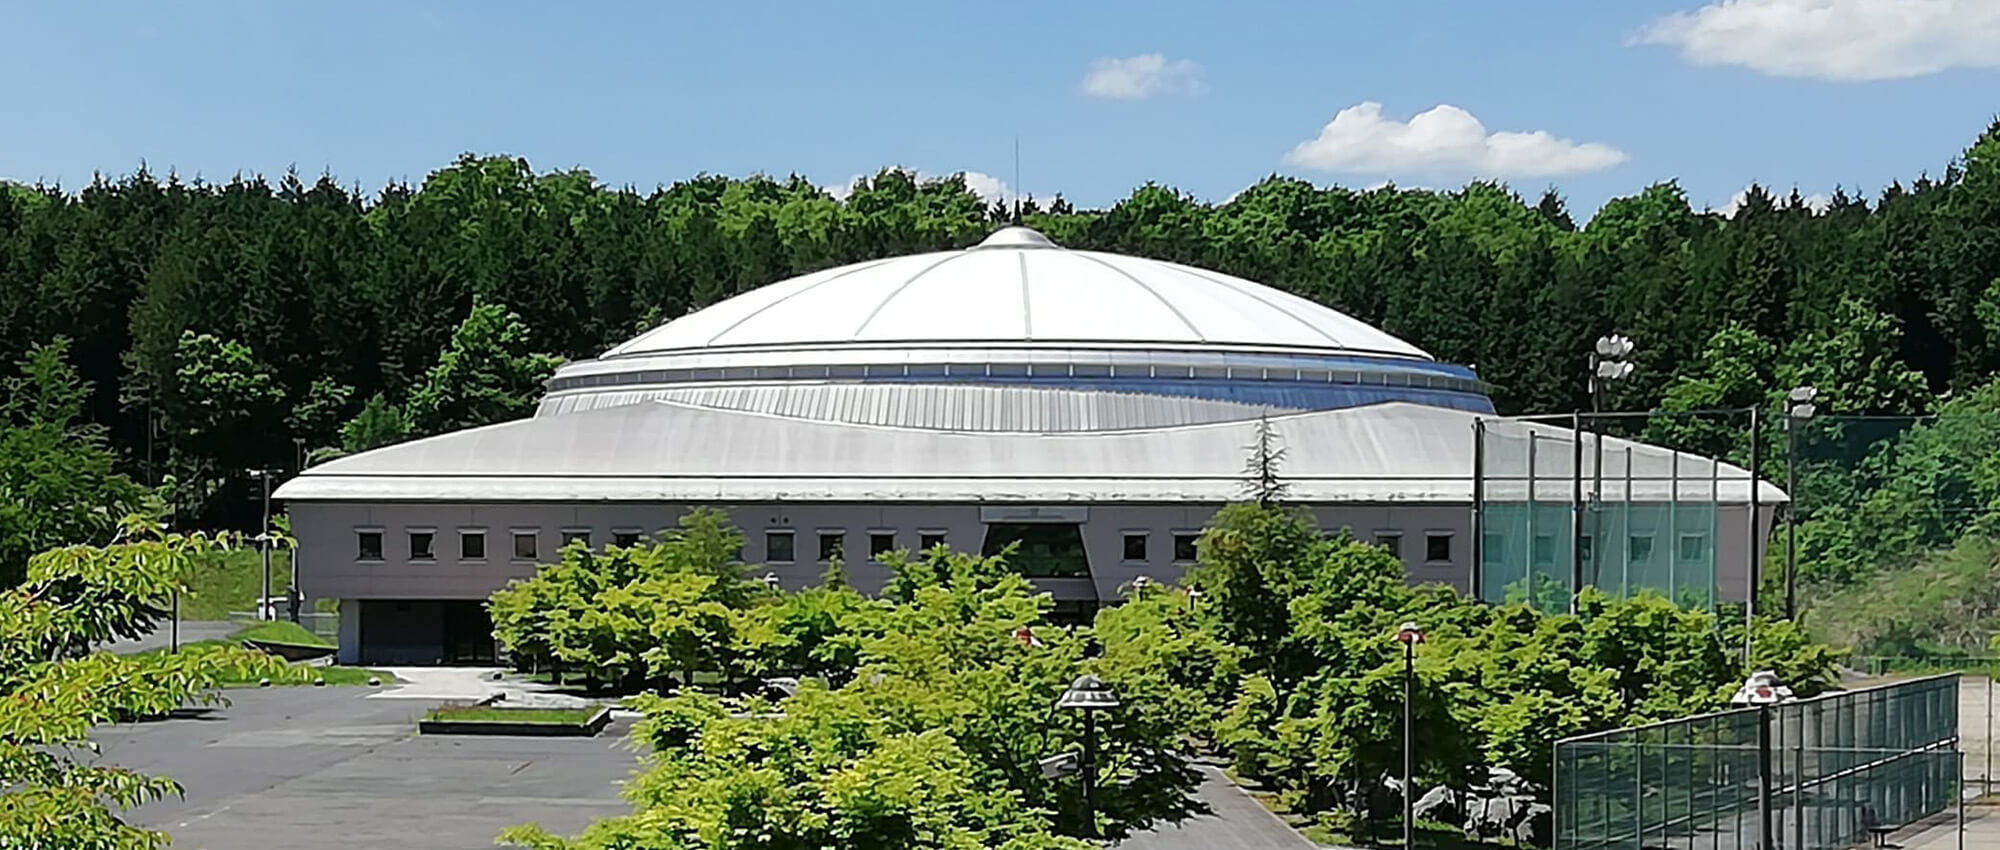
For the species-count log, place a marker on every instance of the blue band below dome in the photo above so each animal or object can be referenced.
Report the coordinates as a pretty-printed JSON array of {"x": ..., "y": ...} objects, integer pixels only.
[{"x": 1282, "y": 394}]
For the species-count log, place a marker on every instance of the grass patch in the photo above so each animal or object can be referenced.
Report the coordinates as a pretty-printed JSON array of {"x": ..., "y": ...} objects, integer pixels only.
[
  {"x": 353, "y": 676},
  {"x": 230, "y": 580},
  {"x": 495, "y": 714},
  {"x": 282, "y": 631}
]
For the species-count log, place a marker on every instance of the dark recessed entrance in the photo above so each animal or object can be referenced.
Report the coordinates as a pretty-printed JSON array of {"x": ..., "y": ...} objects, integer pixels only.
[{"x": 1045, "y": 550}]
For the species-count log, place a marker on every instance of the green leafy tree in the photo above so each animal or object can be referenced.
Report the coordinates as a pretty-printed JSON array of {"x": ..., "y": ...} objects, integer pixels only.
[
  {"x": 58, "y": 482},
  {"x": 225, "y": 408},
  {"x": 73, "y": 597},
  {"x": 631, "y": 615},
  {"x": 379, "y": 423},
  {"x": 487, "y": 374}
]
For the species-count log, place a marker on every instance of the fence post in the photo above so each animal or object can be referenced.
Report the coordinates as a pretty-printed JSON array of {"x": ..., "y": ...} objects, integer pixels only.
[
  {"x": 1799, "y": 789},
  {"x": 1766, "y": 838}
]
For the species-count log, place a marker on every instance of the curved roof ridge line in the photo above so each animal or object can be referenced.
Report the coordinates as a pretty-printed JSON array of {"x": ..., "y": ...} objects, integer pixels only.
[
  {"x": 884, "y": 303},
  {"x": 1225, "y": 281},
  {"x": 842, "y": 272},
  {"x": 1149, "y": 291},
  {"x": 1027, "y": 312}
]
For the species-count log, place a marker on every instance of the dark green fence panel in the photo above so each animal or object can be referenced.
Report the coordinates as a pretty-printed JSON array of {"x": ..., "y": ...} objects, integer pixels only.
[{"x": 1840, "y": 764}]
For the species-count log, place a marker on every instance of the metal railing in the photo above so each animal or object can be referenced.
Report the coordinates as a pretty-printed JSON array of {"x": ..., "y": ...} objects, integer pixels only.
[{"x": 1828, "y": 771}]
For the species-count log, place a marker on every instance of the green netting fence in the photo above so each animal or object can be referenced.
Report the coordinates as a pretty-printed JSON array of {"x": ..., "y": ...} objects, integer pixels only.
[
  {"x": 1662, "y": 501},
  {"x": 1581, "y": 500},
  {"x": 1839, "y": 767}
]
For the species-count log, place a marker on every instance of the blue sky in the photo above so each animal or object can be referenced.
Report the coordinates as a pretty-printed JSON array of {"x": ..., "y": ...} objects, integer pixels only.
[{"x": 1205, "y": 96}]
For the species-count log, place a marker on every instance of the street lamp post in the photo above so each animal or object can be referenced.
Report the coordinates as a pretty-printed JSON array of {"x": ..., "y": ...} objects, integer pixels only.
[
  {"x": 1763, "y": 690},
  {"x": 1799, "y": 407},
  {"x": 1089, "y": 695},
  {"x": 263, "y": 538},
  {"x": 1409, "y": 636}
]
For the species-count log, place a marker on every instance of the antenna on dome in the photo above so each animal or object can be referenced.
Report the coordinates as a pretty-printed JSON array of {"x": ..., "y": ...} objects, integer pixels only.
[{"x": 1017, "y": 179}]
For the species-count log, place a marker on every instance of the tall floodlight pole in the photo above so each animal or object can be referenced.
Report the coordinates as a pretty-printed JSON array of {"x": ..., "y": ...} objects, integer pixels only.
[
  {"x": 1756, "y": 566},
  {"x": 1799, "y": 408},
  {"x": 1610, "y": 361},
  {"x": 1409, "y": 635},
  {"x": 1089, "y": 695}
]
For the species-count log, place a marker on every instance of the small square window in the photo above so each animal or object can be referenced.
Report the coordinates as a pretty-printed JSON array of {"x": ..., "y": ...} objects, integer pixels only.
[
  {"x": 1694, "y": 547},
  {"x": 472, "y": 545},
  {"x": 1185, "y": 546},
  {"x": 1437, "y": 547},
  {"x": 368, "y": 546},
  {"x": 1639, "y": 548},
  {"x": 423, "y": 545},
  {"x": 832, "y": 545},
  {"x": 1545, "y": 550},
  {"x": 1391, "y": 542},
  {"x": 625, "y": 538},
  {"x": 880, "y": 543},
  {"x": 1135, "y": 546},
  {"x": 576, "y": 535},
  {"x": 929, "y": 540},
  {"x": 778, "y": 547},
  {"x": 524, "y": 545}
]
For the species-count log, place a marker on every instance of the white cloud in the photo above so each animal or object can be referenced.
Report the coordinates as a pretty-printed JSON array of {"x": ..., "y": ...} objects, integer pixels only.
[
  {"x": 988, "y": 187},
  {"x": 1817, "y": 203},
  {"x": 1446, "y": 140},
  {"x": 1844, "y": 40},
  {"x": 1142, "y": 76}
]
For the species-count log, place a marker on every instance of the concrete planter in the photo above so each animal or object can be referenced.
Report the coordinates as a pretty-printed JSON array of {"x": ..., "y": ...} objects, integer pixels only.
[{"x": 526, "y": 728}]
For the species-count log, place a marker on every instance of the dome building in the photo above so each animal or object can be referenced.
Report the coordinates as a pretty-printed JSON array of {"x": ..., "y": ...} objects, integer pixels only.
[{"x": 1092, "y": 409}]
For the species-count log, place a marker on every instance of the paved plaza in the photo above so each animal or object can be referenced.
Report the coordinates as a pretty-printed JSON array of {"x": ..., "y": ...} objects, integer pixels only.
[{"x": 342, "y": 768}]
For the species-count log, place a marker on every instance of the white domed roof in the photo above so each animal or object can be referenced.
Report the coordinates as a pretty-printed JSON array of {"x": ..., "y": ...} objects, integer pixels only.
[{"x": 1016, "y": 287}]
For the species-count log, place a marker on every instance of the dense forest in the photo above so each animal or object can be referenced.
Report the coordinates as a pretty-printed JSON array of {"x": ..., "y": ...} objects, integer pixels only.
[{"x": 187, "y": 331}]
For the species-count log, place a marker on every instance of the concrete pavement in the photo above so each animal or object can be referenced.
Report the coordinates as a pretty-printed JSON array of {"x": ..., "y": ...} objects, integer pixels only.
[
  {"x": 162, "y": 636},
  {"x": 340, "y": 768},
  {"x": 332, "y": 769},
  {"x": 1235, "y": 821}
]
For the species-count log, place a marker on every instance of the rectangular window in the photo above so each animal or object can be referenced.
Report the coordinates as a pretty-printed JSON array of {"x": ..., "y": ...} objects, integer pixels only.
[
  {"x": 1392, "y": 541},
  {"x": 778, "y": 547},
  {"x": 472, "y": 544},
  {"x": 368, "y": 545},
  {"x": 423, "y": 545},
  {"x": 625, "y": 538},
  {"x": 576, "y": 535},
  {"x": 1437, "y": 547},
  {"x": 928, "y": 540},
  {"x": 880, "y": 543},
  {"x": 1545, "y": 550},
  {"x": 1639, "y": 548},
  {"x": 1135, "y": 546},
  {"x": 1185, "y": 545},
  {"x": 524, "y": 545},
  {"x": 1694, "y": 547},
  {"x": 832, "y": 545}
]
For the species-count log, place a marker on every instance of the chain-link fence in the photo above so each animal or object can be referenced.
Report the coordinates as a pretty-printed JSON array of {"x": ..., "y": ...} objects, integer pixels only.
[{"x": 1810, "y": 774}]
